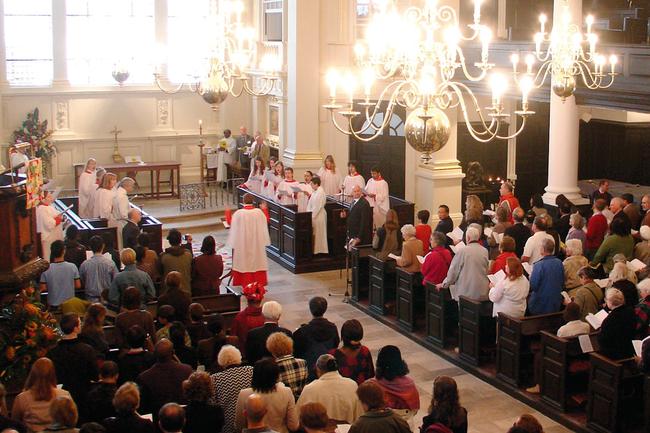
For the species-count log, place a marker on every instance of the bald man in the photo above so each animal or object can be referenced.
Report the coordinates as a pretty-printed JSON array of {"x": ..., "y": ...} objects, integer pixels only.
[
  {"x": 131, "y": 229},
  {"x": 163, "y": 382},
  {"x": 616, "y": 207},
  {"x": 359, "y": 223},
  {"x": 254, "y": 411},
  {"x": 171, "y": 418},
  {"x": 121, "y": 206}
]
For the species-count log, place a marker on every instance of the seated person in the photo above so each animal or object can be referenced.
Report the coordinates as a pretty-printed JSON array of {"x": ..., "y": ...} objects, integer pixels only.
[
  {"x": 411, "y": 249},
  {"x": 423, "y": 230},
  {"x": 437, "y": 261},
  {"x": 573, "y": 263},
  {"x": 617, "y": 330},
  {"x": 574, "y": 326}
]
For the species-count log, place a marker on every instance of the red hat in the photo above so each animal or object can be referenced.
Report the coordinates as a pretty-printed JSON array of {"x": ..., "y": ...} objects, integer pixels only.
[{"x": 254, "y": 292}]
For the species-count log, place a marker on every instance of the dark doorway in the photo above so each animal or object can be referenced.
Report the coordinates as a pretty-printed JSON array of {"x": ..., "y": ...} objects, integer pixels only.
[{"x": 387, "y": 151}]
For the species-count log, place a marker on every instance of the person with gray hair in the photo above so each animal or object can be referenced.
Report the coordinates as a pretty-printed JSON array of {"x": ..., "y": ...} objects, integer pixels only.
[
  {"x": 618, "y": 328},
  {"x": 256, "y": 337},
  {"x": 228, "y": 383},
  {"x": 573, "y": 263},
  {"x": 468, "y": 270},
  {"x": 335, "y": 392},
  {"x": 121, "y": 207},
  {"x": 411, "y": 248},
  {"x": 532, "y": 250},
  {"x": 588, "y": 296},
  {"x": 131, "y": 229},
  {"x": 546, "y": 281}
]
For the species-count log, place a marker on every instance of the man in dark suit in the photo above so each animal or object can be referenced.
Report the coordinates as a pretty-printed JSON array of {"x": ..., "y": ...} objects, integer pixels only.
[
  {"x": 256, "y": 337},
  {"x": 632, "y": 210},
  {"x": 244, "y": 140},
  {"x": 562, "y": 225},
  {"x": 359, "y": 223},
  {"x": 602, "y": 192},
  {"x": 518, "y": 231},
  {"x": 131, "y": 230}
]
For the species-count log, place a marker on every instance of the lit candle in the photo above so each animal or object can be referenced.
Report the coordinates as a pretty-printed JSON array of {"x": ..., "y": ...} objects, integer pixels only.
[
  {"x": 332, "y": 79},
  {"x": 530, "y": 59},
  {"x": 539, "y": 37},
  {"x": 486, "y": 35},
  {"x": 590, "y": 22},
  {"x": 613, "y": 60},
  {"x": 542, "y": 23},
  {"x": 526, "y": 85},
  {"x": 368, "y": 78},
  {"x": 593, "y": 38},
  {"x": 515, "y": 61},
  {"x": 477, "y": 11}
]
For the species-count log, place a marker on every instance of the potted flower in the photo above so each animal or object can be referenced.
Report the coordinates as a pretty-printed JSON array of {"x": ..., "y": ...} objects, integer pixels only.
[{"x": 35, "y": 132}]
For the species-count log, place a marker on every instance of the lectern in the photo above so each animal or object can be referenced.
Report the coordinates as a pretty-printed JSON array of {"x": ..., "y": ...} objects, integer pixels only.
[{"x": 19, "y": 261}]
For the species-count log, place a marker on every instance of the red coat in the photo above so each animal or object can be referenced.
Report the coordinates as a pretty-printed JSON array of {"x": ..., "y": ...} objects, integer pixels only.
[
  {"x": 244, "y": 321},
  {"x": 423, "y": 233},
  {"x": 500, "y": 262},
  {"x": 596, "y": 230},
  {"x": 436, "y": 264},
  {"x": 512, "y": 202}
]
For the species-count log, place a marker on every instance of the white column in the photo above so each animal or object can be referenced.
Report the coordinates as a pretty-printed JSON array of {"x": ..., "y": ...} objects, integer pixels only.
[
  {"x": 511, "y": 167},
  {"x": 160, "y": 24},
  {"x": 59, "y": 51},
  {"x": 304, "y": 81},
  {"x": 564, "y": 124},
  {"x": 3, "y": 51}
]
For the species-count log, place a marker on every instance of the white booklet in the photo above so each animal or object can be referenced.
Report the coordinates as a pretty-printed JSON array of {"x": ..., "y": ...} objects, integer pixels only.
[
  {"x": 527, "y": 267},
  {"x": 635, "y": 265},
  {"x": 282, "y": 192},
  {"x": 342, "y": 428},
  {"x": 602, "y": 283},
  {"x": 420, "y": 259},
  {"x": 638, "y": 346},
  {"x": 393, "y": 256},
  {"x": 459, "y": 246},
  {"x": 487, "y": 231},
  {"x": 585, "y": 343},
  {"x": 456, "y": 234},
  {"x": 489, "y": 212},
  {"x": 296, "y": 188},
  {"x": 566, "y": 296},
  {"x": 498, "y": 277},
  {"x": 596, "y": 320},
  {"x": 498, "y": 237}
]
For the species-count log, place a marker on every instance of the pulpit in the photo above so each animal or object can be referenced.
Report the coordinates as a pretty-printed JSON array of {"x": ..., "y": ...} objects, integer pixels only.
[{"x": 19, "y": 261}]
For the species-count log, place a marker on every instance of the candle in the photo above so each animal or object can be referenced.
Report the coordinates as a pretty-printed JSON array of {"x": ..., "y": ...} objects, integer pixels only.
[
  {"x": 477, "y": 11},
  {"x": 613, "y": 60},
  {"x": 486, "y": 35},
  {"x": 332, "y": 79},
  {"x": 542, "y": 23},
  {"x": 529, "y": 63},
  {"x": 539, "y": 37},
  {"x": 590, "y": 21}
]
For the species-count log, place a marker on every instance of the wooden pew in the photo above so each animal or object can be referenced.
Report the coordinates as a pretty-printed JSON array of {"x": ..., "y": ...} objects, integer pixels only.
[
  {"x": 615, "y": 402},
  {"x": 564, "y": 369},
  {"x": 359, "y": 263},
  {"x": 518, "y": 340},
  {"x": 476, "y": 331},
  {"x": 441, "y": 316},
  {"x": 228, "y": 305},
  {"x": 409, "y": 298},
  {"x": 382, "y": 284}
]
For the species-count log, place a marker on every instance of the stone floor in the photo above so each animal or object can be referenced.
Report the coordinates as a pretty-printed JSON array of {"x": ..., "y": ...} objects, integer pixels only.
[{"x": 490, "y": 410}]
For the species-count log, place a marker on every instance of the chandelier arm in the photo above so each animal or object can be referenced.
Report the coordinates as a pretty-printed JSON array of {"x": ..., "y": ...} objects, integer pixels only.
[
  {"x": 234, "y": 93},
  {"x": 469, "y": 76},
  {"x": 519, "y": 131},
  {"x": 458, "y": 88},
  {"x": 377, "y": 129},
  {"x": 169, "y": 92}
]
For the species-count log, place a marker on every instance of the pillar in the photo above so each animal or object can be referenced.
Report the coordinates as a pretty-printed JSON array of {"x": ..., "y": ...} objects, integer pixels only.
[
  {"x": 564, "y": 125},
  {"x": 59, "y": 48},
  {"x": 304, "y": 81}
]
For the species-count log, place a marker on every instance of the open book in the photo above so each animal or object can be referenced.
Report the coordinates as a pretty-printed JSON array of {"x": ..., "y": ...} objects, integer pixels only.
[
  {"x": 596, "y": 320},
  {"x": 602, "y": 283},
  {"x": 295, "y": 188},
  {"x": 638, "y": 346},
  {"x": 459, "y": 246},
  {"x": 393, "y": 256},
  {"x": 490, "y": 213},
  {"x": 635, "y": 265},
  {"x": 566, "y": 296},
  {"x": 456, "y": 234},
  {"x": 527, "y": 267},
  {"x": 498, "y": 277},
  {"x": 498, "y": 237},
  {"x": 269, "y": 175},
  {"x": 487, "y": 231},
  {"x": 420, "y": 259}
]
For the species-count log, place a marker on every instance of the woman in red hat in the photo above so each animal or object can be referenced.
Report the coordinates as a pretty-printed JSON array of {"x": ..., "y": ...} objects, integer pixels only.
[{"x": 251, "y": 316}]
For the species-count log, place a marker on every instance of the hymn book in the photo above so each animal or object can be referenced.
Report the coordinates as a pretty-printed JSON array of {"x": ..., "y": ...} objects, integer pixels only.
[
  {"x": 527, "y": 267},
  {"x": 459, "y": 246},
  {"x": 585, "y": 343},
  {"x": 638, "y": 346},
  {"x": 420, "y": 259},
  {"x": 456, "y": 235},
  {"x": 635, "y": 265},
  {"x": 497, "y": 278},
  {"x": 596, "y": 320},
  {"x": 393, "y": 256}
]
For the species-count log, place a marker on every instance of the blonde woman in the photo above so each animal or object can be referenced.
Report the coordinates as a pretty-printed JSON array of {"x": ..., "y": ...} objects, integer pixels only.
[
  {"x": 87, "y": 186},
  {"x": 330, "y": 179},
  {"x": 104, "y": 195}
]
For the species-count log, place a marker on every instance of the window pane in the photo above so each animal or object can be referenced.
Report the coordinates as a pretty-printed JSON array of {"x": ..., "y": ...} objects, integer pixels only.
[
  {"x": 103, "y": 35},
  {"x": 28, "y": 42},
  {"x": 190, "y": 43}
]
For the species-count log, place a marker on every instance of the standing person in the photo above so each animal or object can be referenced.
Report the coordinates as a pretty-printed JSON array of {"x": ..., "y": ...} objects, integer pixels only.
[
  {"x": 388, "y": 238},
  {"x": 378, "y": 196},
  {"x": 207, "y": 269},
  {"x": 588, "y": 297},
  {"x": 305, "y": 191},
  {"x": 509, "y": 295},
  {"x": 602, "y": 192},
  {"x": 423, "y": 230},
  {"x": 546, "y": 282},
  {"x": 121, "y": 206},
  {"x": 352, "y": 179},
  {"x": 244, "y": 143},
  {"x": 97, "y": 272},
  {"x": 126, "y": 403},
  {"x": 176, "y": 297},
  {"x": 445, "y": 223},
  {"x": 75, "y": 252},
  {"x": 632, "y": 210},
  {"x": 330, "y": 179},
  {"x": 104, "y": 195},
  {"x": 260, "y": 148},
  {"x": 506, "y": 250},
  {"x": 177, "y": 258},
  {"x": 272, "y": 179},
  {"x": 202, "y": 417},
  {"x": 254, "y": 182},
  {"x": 284, "y": 193},
  {"x": 48, "y": 224},
  {"x": 61, "y": 279},
  {"x": 359, "y": 219},
  {"x": 101, "y": 394},
  {"x": 353, "y": 358},
  {"x": 400, "y": 392},
  {"x": 251, "y": 316},
  {"x": 256, "y": 340},
  {"x": 90, "y": 208},
  {"x": 16, "y": 158},
  {"x": 228, "y": 382},
  {"x": 519, "y": 231},
  {"x": 377, "y": 417},
  {"x": 618, "y": 328},
  {"x": 131, "y": 229},
  {"x": 533, "y": 248},
  {"x": 293, "y": 371},
  {"x": 316, "y": 206},
  {"x": 131, "y": 276},
  {"x": 437, "y": 261},
  {"x": 249, "y": 237},
  {"x": 87, "y": 185},
  {"x": 226, "y": 155},
  {"x": 597, "y": 227},
  {"x": 508, "y": 199}
]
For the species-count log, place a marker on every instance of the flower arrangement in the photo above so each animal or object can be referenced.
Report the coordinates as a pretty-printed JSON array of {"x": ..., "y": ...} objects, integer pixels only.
[
  {"x": 27, "y": 332},
  {"x": 35, "y": 132}
]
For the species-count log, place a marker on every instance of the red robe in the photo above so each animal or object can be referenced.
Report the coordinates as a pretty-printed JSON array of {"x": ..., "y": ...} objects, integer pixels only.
[{"x": 513, "y": 203}]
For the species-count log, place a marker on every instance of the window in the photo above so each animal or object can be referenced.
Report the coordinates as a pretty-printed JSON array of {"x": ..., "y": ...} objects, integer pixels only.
[
  {"x": 395, "y": 126},
  {"x": 364, "y": 9},
  {"x": 103, "y": 35},
  {"x": 28, "y": 38},
  {"x": 190, "y": 38},
  {"x": 272, "y": 20}
]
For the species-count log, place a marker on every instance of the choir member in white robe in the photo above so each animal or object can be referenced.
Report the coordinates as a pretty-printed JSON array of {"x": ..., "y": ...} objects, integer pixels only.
[
  {"x": 226, "y": 155},
  {"x": 316, "y": 206},
  {"x": 272, "y": 180},
  {"x": 330, "y": 179},
  {"x": 48, "y": 224},
  {"x": 285, "y": 193},
  {"x": 99, "y": 176},
  {"x": 103, "y": 207},
  {"x": 306, "y": 190},
  {"x": 18, "y": 157},
  {"x": 87, "y": 186},
  {"x": 255, "y": 179},
  {"x": 248, "y": 238},
  {"x": 352, "y": 179},
  {"x": 121, "y": 207},
  {"x": 377, "y": 195}
]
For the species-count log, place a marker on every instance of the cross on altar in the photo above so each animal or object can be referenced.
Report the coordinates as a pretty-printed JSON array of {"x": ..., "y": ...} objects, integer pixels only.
[{"x": 116, "y": 154}]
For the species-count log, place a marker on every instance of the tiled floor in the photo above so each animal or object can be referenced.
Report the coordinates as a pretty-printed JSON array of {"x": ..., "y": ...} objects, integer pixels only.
[{"x": 490, "y": 410}]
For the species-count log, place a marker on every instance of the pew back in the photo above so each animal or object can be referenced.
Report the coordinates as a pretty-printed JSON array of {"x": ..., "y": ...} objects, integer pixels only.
[
  {"x": 409, "y": 295},
  {"x": 441, "y": 316},
  {"x": 476, "y": 330},
  {"x": 359, "y": 263},
  {"x": 382, "y": 283}
]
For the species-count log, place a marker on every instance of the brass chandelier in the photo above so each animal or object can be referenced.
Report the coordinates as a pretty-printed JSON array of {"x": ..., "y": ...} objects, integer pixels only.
[{"x": 416, "y": 56}]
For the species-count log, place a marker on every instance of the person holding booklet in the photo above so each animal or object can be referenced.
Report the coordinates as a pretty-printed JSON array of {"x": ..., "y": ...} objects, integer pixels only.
[
  {"x": 588, "y": 296},
  {"x": 305, "y": 191},
  {"x": 287, "y": 191},
  {"x": 316, "y": 206},
  {"x": 330, "y": 179},
  {"x": 411, "y": 249},
  {"x": 377, "y": 193},
  {"x": 437, "y": 261},
  {"x": 617, "y": 330},
  {"x": 509, "y": 289},
  {"x": 272, "y": 178},
  {"x": 352, "y": 179},
  {"x": 546, "y": 282},
  {"x": 254, "y": 182}
]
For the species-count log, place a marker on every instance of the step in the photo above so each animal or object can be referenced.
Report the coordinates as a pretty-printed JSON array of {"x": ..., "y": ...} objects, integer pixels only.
[
  {"x": 190, "y": 216},
  {"x": 203, "y": 224}
]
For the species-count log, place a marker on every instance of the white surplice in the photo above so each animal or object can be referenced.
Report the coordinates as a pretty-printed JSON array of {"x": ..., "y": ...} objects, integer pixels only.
[
  {"x": 269, "y": 186},
  {"x": 351, "y": 181},
  {"x": 381, "y": 202},
  {"x": 303, "y": 197},
  {"x": 226, "y": 157},
  {"x": 48, "y": 227},
  {"x": 87, "y": 186},
  {"x": 316, "y": 206},
  {"x": 254, "y": 182},
  {"x": 248, "y": 237},
  {"x": 285, "y": 186},
  {"x": 119, "y": 213},
  {"x": 330, "y": 181},
  {"x": 103, "y": 207}
]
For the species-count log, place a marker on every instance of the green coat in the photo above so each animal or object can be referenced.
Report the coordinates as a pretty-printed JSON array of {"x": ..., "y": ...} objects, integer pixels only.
[{"x": 611, "y": 246}]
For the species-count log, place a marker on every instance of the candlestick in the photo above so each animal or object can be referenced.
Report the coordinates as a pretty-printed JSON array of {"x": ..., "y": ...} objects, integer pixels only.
[{"x": 200, "y": 127}]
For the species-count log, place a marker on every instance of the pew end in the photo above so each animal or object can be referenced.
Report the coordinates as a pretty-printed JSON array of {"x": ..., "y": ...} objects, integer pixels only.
[
  {"x": 441, "y": 317},
  {"x": 476, "y": 331}
]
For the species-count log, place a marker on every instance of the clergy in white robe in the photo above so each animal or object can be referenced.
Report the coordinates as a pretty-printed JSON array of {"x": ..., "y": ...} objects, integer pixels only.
[
  {"x": 306, "y": 190},
  {"x": 248, "y": 238},
  {"x": 352, "y": 179},
  {"x": 18, "y": 157},
  {"x": 316, "y": 206},
  {"x": 87, "y": 186},
  {"x": 330, "y": 179},
  {"x": 377, "y": 195},
  {"x": 103, "y": 207},
  {"x": 48, "y": 224},
  {"x": 272, "y": 179},
  {"x": 120, "y": 210},
  {"x": 226, "y": 155},
  {"x": 285, "y": 193}
]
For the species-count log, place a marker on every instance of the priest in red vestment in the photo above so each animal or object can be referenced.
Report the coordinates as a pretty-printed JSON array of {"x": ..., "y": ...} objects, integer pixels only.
[{"x": 508, "y": 199}]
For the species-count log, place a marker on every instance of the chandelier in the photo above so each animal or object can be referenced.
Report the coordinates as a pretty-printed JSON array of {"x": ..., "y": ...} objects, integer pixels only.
[
  {"x": 233, "y": 52},
  {"x": 568, "y": 55},
  {"x": 417, "y": 59}
]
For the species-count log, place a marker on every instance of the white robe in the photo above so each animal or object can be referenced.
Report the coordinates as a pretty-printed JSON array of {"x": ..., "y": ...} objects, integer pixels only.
[
  {"x": 351, "y": 181},
  {"x": 330, "y": 181},
  {"x": 103, "y": 207},
  {"x": 226, "y": 157},
  {"x": 380, "y": 203},
  {"x": 119, "y": 213},
  {"x": 87, "y": 186},
  {"x": 285, "y": 185},
  {"x": 268, "y": 190},
  {"x": 48, "y": 228},
  {"x": 18, "y": 158},
  {"x": 316, "y": 206},
  {"x": 248, "y": 238},
  {"x": 303, "y": 197},
  {"x": 254, "y": 182}
]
